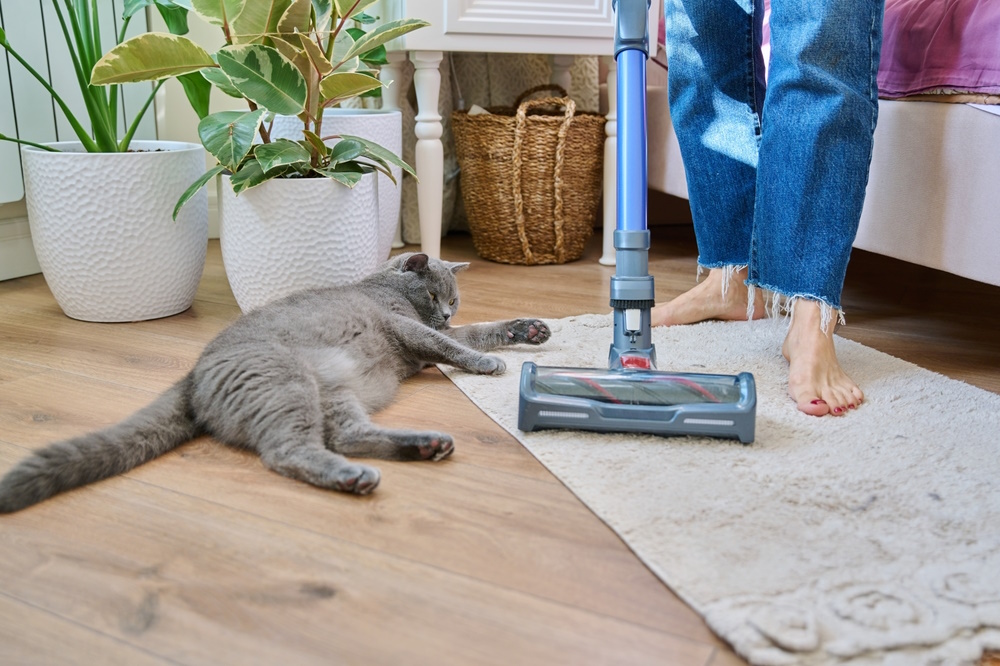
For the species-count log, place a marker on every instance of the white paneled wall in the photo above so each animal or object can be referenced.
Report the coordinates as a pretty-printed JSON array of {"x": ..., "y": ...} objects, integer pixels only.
[{"x": 27, "y": 110}]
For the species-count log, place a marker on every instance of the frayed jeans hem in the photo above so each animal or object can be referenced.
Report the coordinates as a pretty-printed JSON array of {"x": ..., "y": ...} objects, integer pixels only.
[{"x": 781, "y": 302}]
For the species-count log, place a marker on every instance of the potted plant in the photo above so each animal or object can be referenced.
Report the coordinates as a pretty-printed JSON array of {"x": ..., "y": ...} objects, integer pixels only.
[
  {"x": 295, "y": 213},
  {"x": 99, "y": 208}
]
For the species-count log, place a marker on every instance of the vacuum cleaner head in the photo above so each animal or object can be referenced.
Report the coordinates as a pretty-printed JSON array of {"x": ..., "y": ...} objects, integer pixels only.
[{"x": 659, "y": 403}]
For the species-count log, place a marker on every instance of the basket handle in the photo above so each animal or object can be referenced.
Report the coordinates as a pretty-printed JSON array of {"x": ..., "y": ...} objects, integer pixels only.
[
  {"x": 557, "y": 209},
  {"x": 555, "y": 87}
]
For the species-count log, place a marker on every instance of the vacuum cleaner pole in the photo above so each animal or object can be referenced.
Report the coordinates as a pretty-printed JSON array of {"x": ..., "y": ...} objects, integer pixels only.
[
  {"x": 632, "y": 287},
  {"x": 630, "y": 396}
]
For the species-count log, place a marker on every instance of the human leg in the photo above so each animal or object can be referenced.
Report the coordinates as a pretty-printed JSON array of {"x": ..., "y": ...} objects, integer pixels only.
[
  {"x": 817, "y": 135},
  {"x": 716, "y": 90}
]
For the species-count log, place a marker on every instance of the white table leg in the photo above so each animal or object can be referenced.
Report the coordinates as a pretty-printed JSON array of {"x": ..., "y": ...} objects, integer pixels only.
[
  {"x": 429, "y": 151},
  {"x": 610, "y": 168},
  {"x": 560, "y": 71},
  {"x": 390, "y": 74}
]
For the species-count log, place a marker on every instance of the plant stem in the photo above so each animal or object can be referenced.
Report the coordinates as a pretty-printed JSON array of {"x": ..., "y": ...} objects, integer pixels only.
[
  {"x": 104, "y": 133},
  {"x": 4, "y": 137},
  {"x": 123, "y": 146},
  {"x": 81, "y": 133},
  {"x": 95, "y": 27},
  {"x": 264, "y": 134},
  {"x": 333, "y": 37},
  {"x": 117, "y": 90}
]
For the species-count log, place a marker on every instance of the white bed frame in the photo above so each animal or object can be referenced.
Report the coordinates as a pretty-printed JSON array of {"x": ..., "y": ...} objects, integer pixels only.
[{"x": 933, "y": 193}]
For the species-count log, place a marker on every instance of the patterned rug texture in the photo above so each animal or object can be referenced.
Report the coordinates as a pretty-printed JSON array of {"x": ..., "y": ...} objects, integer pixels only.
[{"x": 873, "y": 538}]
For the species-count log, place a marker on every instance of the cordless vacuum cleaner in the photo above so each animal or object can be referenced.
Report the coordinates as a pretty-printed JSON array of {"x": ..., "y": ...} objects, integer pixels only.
[{"x": 630, "y": 396}]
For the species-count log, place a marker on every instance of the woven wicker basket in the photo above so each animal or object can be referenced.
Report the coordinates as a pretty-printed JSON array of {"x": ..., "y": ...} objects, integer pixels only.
[{"x": 531, "y": 178}]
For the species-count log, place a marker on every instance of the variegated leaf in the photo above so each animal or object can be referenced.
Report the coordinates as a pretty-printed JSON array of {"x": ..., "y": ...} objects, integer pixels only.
[
  {"x": 258, "y": 19},
  {"x": 218, "y": 12},
  {"x": 218, "y": 78},
  {"x": 343, "y": 85},
  {"x": 316, "y": 55},
  {"x": 385, "y": 33},
  {"x": 377, "y": 151},
  {"x": 348, "y": 8},
  {"x": 296, "y": 17},
  {"x": 263, "y": 75},
  {"x": 281, "y": 153},
  {"x": 149, "y": 57},
  {"x": 229, "y": 135}
]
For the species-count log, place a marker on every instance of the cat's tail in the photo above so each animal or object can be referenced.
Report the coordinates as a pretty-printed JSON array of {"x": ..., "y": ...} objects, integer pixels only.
[{"x": 152, "y": 431}]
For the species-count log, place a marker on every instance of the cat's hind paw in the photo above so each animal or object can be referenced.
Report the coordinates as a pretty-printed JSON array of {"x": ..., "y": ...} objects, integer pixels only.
[
  {"x": 529, "y": 331},
  {"x": 436, "y": 448}
]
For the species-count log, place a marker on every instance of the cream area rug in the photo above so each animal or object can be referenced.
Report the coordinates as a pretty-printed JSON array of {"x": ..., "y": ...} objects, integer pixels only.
[{"x": 868, "y": 539}]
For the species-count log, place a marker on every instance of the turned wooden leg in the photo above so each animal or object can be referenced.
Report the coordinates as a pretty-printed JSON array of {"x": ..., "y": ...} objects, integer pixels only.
[{"x": 429, "y": 151}]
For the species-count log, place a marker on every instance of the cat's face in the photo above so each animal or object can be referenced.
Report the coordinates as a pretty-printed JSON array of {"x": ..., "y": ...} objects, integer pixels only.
[{"x": 431, "y": 287}]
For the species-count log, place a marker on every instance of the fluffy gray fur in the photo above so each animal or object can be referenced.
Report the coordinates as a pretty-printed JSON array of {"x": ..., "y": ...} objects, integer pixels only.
[{"x": 295, "y": 381}]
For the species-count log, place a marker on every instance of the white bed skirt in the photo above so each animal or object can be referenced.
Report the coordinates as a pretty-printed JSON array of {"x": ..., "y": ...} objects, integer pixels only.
[{"x": 934, "y": 189}]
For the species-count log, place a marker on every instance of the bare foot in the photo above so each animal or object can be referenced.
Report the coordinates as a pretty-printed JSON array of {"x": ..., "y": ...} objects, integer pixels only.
[
  {"x": 816, "y": 381},
  {"x": 706, "y": 301}
]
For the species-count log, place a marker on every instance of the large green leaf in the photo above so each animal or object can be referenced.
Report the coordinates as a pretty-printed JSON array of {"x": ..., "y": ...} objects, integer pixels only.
[
  {"x": 218, "y": 78},
  {"x": 150, "y": 57},
  {"x": 344, "y": 85},
  {"x": 345, "y": 150},
  {"x": 266, "y": 77},
  {"x": 377, "y": 151},
  {"x": 174, "y": 17},
  {"x": 229, "y": 135},
  {"x": 281, "y": 153},
  {"x": 174, "y": 12},
  {"x": 257, "y": 20},
  {"x": 3, "y": 37},
  {"x": 198, "y": 91},
  {"x": 218, "y": 12},
  {"x": 345, "y": 6},
  {"x": 385, "y": 33},
  {"x": 196, "y": 186}
]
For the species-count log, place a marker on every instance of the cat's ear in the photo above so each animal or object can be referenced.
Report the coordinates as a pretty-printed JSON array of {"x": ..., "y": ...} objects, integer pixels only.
[
  {"x": 415, "y": 263},
  {"x": 456, "y": 267}
]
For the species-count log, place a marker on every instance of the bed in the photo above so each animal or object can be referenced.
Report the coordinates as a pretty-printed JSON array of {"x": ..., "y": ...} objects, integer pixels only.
[{"x": 934, "y": 189}]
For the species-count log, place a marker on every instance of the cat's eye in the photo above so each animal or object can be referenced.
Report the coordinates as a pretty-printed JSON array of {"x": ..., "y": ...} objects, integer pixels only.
[
  {"x": 451, "y": 302},
  {"x": 432, "y": 295}
]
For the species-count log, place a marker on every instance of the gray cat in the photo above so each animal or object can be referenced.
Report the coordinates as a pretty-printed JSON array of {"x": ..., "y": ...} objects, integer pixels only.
[{"x": 295, "y": 381}]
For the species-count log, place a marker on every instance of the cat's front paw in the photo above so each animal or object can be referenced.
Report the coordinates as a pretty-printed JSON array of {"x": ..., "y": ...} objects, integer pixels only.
[
  {"x": 530, "y": 331},
  {"x": 491, "y": 365},
  {"x": 357, "y": 479}
]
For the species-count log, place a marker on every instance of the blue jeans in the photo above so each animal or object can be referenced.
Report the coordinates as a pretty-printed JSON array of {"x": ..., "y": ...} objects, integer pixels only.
[{"x": 776, "y": 173}]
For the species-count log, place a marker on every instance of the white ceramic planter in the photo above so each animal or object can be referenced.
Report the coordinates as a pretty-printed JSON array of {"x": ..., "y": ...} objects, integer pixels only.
[
  {"x": 297, "y": 233},
  {"x": 385, "y": 128},
  {"x": 102, "y": 229}
]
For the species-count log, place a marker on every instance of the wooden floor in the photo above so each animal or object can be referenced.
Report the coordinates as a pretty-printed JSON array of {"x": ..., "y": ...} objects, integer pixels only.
[{"x": 205, "y": 557}]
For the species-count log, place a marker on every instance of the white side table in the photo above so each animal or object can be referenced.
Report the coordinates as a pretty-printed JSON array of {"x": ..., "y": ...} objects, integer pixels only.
[{"x": 560, "y": 28}]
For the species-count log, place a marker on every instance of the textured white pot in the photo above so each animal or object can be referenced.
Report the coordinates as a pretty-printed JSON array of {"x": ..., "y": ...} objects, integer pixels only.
[
  {"x": 102, "y": 229},
  {"x": 385, "y": 128},
  {"x": 297, "y": 233}
]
